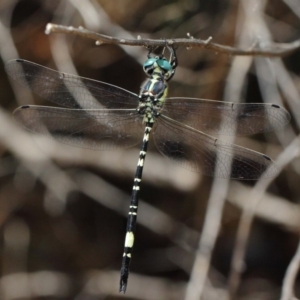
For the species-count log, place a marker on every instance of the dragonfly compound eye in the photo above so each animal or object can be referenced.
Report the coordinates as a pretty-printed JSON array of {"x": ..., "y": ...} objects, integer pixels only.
[
  {"x": 164, "y": 65},
  {"x": 149, "y": 65}
]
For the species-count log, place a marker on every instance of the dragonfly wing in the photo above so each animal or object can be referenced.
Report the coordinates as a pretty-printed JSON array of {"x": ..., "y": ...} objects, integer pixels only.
[
  {"x": 201, "y": 153},
  {"x": 242, "y": 119},
  {"x": 94, "y": 129},
  {"x": 70, "y": 90}
]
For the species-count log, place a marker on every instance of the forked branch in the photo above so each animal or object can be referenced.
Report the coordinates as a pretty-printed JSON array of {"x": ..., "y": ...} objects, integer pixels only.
[{"x": 271, "y": 50}]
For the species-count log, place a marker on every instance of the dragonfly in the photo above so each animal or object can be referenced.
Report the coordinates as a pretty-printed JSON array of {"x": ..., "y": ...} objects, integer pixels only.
[{"x": 100, "y": 116}]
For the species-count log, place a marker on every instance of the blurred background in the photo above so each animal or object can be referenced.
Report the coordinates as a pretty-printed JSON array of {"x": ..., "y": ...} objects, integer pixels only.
[{"x": 63, "y": 209}]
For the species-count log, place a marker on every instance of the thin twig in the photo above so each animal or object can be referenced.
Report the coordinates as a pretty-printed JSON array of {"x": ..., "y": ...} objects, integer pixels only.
[
  {"x": 271, "y": 50},
  {"x": 244, "y": 227},
  {"x": 290, "y": 277},
  {"x": 269, "y": 91},
  {"x": 233, "y": 92},
  {"x": 273, "y": 209}
]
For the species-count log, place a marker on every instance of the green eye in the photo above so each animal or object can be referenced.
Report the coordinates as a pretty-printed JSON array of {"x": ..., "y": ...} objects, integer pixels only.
[
  {"x": 149, "y": 62},
  {"x": 164, "y": 64}
]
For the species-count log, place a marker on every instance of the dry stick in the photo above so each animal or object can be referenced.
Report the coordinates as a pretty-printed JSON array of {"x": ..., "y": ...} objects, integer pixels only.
[
  {"x": 253, "y": 200},
  {"x": 272, "y": 50},
  {"x": 236, "y": 79},
  {"x": 274, "y": 209},
  {"x": 290, "y": 277},
  {"x": 213, "y": 217},
  {"x": 244, "y": 227}
]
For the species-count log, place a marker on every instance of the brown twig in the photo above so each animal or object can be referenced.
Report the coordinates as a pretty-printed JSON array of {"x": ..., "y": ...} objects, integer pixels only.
[
  {"x": 244, "y": 228},
  {"x": 272, "y": 50},
  {"x": 290, "y": 277}
]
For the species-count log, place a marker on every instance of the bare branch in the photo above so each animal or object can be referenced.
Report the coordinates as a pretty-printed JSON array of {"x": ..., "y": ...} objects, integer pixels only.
[
  {"x": 272, "y": 50},
  {"x": 290, "y": 277},
  {"x": 244, "y": 227}
]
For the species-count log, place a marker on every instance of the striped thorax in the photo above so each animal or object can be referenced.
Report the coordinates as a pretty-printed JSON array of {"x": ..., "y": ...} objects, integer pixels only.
[{"x": 155, "y": 88}]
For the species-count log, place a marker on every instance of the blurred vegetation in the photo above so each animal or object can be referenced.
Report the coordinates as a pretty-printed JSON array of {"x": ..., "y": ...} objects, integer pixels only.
[{"x": 63, "y": 210}]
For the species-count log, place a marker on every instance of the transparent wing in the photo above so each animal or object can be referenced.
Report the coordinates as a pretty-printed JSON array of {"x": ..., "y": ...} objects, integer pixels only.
[
  {"x": 94, "y": 129},
  {"x": 70, "y": 90},
  {"x": 245, "y": 118},
  {"x": 199, "y": 152}
]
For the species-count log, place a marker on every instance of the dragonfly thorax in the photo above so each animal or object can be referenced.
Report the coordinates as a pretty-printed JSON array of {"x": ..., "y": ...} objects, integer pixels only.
[
  {"x": 154, "y": 88},
  {"x": 152, "y": 95}
]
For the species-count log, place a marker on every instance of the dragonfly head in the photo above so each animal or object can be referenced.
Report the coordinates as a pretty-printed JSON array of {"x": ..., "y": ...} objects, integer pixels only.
[{"x": 158, "y": 65}]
